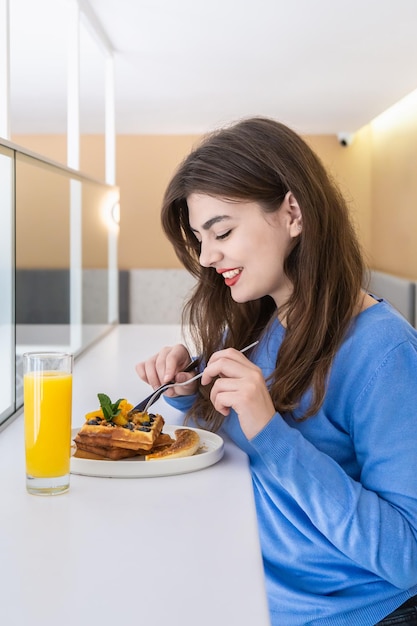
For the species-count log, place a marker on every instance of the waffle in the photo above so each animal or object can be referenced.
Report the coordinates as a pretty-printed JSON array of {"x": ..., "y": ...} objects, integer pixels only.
[
  {"x": 87, "y": 448},
  {"x": 96, "y": 453},
  {"x": 140, "y": 433}
]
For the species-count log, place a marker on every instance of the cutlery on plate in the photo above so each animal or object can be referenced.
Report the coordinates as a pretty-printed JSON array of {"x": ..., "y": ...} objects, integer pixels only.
[{"x": 145, "y": 404}]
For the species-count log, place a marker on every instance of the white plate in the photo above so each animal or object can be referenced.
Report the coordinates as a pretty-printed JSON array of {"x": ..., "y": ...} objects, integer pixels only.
[{"x": 211, "y": 451}]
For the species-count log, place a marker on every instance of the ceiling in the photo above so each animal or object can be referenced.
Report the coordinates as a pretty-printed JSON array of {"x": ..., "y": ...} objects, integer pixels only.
[{"x": 188, "y": 66}]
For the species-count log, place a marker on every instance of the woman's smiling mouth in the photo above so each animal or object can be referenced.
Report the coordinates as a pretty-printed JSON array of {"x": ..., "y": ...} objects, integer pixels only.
[{"x": 230, "y": 276}]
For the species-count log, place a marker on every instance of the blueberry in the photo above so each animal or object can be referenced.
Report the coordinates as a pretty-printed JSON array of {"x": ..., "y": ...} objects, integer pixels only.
[
  {"x": 93, "y": 422},
  {"x": 145, "y": 429}
]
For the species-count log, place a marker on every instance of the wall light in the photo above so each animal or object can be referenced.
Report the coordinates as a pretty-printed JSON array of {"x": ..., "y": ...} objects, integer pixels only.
[
  {"x": 115, "y": 213},
  {"x": 401, "y": 114}
]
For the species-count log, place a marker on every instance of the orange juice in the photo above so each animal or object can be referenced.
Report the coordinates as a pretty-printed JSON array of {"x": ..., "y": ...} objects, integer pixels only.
[{"x": 47, "y": 414}]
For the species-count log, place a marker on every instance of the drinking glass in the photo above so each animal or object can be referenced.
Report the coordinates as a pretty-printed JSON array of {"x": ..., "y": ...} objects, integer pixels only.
[{"x": 47, "y": 398}]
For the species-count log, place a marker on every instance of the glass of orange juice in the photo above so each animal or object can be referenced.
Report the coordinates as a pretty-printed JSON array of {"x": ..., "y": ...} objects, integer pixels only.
[{"x": 47, "y": 406}]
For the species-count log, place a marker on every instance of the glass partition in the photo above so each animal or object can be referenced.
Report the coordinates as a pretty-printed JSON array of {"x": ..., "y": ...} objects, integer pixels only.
[
  {"x": 58, "y": 243},
  {"x": 42, "y": 255},
  {"x": 7, "y": 339},
  {"x": 56, "y": 294}
]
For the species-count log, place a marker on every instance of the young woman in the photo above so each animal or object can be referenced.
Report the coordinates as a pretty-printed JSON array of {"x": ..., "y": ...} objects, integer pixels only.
[{"x": 325, "y": 406}]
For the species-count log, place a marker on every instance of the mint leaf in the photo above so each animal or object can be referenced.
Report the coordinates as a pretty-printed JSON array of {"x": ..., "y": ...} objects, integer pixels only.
[
  {"x": 109, "y": 409},
  {"x": 115, "y": 408},
  {"x": 103, "y": 399}
]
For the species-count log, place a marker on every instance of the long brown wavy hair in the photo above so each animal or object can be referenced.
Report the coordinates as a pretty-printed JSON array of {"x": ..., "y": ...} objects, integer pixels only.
[{"x": 260, "y": 160}]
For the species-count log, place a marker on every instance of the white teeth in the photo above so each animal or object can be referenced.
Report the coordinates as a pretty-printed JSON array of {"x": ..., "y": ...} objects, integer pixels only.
[{"x": 231, "y": 273}]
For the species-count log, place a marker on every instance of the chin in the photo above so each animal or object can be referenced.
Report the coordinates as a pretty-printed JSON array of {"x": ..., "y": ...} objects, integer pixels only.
[
  {"x": 241, "y": 299},
  {"x": 238, "y": 299}
]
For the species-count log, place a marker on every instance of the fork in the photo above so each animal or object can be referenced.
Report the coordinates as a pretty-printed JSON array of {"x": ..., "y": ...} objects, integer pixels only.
[
  {"x": 158, "y": 392},
  {"x": 139, "y": 408}
]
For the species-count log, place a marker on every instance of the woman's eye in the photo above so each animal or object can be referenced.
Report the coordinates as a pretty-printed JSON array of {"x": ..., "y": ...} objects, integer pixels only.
[{"x": 224, "y": 235}]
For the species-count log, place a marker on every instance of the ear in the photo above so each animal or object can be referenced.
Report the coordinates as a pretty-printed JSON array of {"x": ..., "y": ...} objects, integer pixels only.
[{"x": 293, "y": 211}]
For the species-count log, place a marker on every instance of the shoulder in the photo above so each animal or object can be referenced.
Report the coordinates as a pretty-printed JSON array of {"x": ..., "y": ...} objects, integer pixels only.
[
  {"x": 379, "y": 336},
  {"x": 380, "y": 327},
  {"x": 380, "y": 345},
  {"x": 373, "y": 375}
]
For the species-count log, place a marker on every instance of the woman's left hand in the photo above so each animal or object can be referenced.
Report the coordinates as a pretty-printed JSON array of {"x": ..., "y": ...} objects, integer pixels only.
[{"x": 241, "y": 386}]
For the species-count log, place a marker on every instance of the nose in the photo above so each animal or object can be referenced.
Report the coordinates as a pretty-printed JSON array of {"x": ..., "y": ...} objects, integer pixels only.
[{"x": 209, "y": 254}]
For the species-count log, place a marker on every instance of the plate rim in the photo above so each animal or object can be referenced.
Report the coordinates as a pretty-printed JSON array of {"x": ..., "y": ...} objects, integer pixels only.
[{"x": 129, "y": 468}]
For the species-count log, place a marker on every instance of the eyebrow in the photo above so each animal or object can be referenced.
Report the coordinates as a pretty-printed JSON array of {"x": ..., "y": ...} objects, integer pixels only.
[{"x": 214, "y": 220}]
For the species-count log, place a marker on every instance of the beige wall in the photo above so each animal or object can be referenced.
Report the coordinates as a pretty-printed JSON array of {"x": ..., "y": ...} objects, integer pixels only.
[
  {"x": 394, "y": 200},
  {"x": 351, "y": 168},
  {"x": 55, "y": 147},
  {"x": 376, "y": 174},
  {"x": 43, "y": 209},
  {"x": 144, "y": 167}
]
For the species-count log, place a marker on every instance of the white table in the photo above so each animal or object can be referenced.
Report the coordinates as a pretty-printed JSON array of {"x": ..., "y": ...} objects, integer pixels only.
[{"x": 180, "y": 550}]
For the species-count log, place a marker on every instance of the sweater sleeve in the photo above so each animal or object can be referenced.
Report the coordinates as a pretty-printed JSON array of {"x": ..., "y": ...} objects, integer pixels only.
[
  {"x": 373, "y": 519},
  {"x": 181, "y": 403}
]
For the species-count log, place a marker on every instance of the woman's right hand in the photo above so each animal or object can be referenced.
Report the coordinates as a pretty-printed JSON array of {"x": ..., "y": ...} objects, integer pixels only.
[{"x": 165, "y": 366}]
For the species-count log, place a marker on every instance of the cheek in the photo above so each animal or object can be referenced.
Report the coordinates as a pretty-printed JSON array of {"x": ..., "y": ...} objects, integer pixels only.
[
  {"x": 264, "y": 245},
  {"x": 257, "y": 241},
  {"x": 270, "y": 247}
]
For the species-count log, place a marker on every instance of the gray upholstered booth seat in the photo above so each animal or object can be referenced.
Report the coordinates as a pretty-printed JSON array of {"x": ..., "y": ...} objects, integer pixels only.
[
  {"x": 400, "y": 292},
  {"x": 157, "y": 296},
  {"x": 43, "y": 296}
]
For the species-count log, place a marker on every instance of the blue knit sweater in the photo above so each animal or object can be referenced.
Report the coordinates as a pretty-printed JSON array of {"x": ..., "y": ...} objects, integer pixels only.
[{"x": 336, "y": 495}]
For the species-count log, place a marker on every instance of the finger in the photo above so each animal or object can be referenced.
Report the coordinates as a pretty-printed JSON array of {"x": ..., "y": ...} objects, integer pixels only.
[
  {"x": 224, "y": 393},
  {"x": 177, "y": 391},
  {"x": 176, "y": 359},
  {"x": 184, "y": 390},
  {"x": 249, "y": 398},
  {"x": 146, "y": 370},
  {"x": 215, "y": 366},
  {"x": 226, "y": 367},
  {"x": 229, "y": 353},
  {"x": 140, "y": 370},
  {"x": 154, "y": 370},
  {"x": 223, "y": 399},
  {"x": 167, "y": 363}
]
